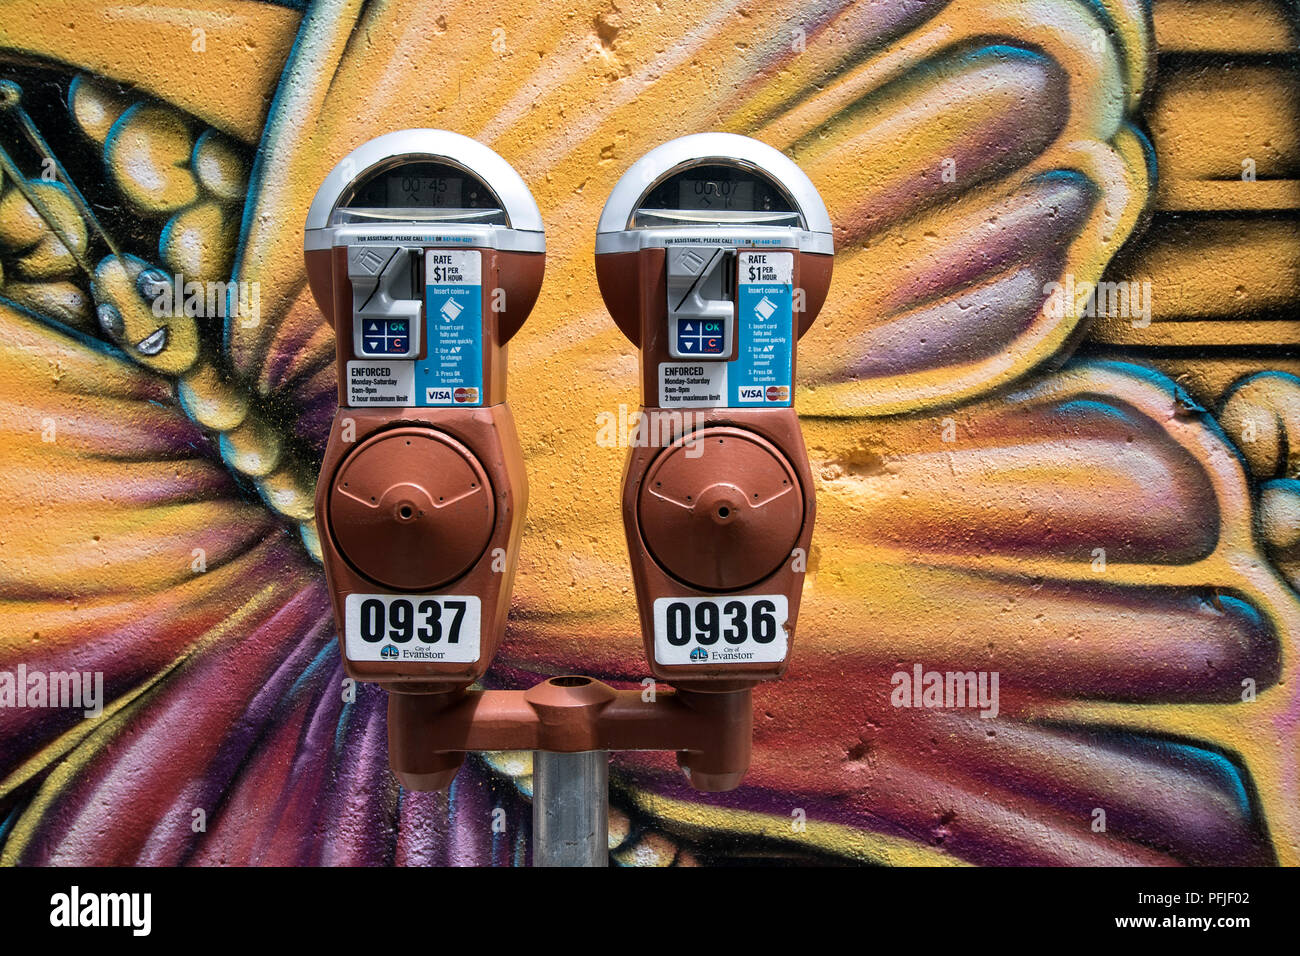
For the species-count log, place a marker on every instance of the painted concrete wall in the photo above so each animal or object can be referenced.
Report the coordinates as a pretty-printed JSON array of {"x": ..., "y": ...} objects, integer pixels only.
[{"x": 1093, "y": 497}]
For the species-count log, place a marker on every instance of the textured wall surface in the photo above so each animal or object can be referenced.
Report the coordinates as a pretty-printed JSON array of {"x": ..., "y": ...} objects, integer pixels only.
[{"x": 1094, "y": 497}]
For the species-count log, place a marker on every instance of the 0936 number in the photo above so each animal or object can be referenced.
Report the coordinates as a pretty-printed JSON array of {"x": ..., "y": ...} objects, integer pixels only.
[
  {"x": 404, "y": 620},
  {"x": 734, "y": 622}
]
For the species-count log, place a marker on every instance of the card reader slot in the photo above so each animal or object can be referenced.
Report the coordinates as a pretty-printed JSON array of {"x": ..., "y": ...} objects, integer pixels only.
[
  {"x": 417, "y": 272},
  {"x": 708, "y": 267}
]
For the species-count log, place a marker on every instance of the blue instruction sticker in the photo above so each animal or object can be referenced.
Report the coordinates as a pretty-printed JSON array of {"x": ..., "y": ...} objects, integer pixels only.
[
  {"x": 763, "y": 372},
  {"x": 452, "y": 373}
]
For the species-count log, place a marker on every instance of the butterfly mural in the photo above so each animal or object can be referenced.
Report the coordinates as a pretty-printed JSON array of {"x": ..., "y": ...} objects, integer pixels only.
[{"x": 1005, "y": 484}]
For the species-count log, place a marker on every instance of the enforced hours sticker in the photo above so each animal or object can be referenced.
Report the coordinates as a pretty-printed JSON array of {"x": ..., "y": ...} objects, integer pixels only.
[
  {"x": 452, "y": 374},
  {"x": 721, "y": 630},
  {"x": 411, "y": 627},
  {"x": 687, "y": 385},
  {"x": 381, "y": 382}
]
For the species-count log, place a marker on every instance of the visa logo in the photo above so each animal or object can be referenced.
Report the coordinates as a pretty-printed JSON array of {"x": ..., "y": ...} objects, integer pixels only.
[
  {"x": 750, "y": 393},
  {"x": 437, "y": 396}
]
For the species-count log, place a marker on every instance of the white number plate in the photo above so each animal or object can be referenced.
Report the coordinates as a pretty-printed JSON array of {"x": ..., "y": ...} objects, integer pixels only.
[
  {"x": 411, "y": 627},
  {"x": 721, "y": 630}
]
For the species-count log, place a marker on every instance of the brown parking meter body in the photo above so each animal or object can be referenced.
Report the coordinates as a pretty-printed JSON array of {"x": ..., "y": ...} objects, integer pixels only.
[
  {"x": 714, "y": 255},
  {"x": 737, "y": 518},
  {"x": 414, "y": 499},
  {"x": 425, "y": 252}
]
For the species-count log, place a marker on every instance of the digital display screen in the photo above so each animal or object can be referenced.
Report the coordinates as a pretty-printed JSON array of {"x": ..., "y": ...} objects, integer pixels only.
[
  {"x": 438, "y": 192},
  {"x": 715, "y": 194},
  {"x": 718, "y": 187},
  {"x": 422, "y": 185}
]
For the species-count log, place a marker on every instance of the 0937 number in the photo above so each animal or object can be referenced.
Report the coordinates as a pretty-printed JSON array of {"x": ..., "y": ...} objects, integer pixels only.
[{"x": 404, "y": 620}]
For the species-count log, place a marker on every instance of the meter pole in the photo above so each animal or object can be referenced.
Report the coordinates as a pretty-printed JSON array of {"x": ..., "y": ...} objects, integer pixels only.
[{"x": 571, "y": 808}]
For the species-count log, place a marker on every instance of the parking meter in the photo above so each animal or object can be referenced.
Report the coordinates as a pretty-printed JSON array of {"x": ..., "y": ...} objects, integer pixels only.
[
  {"x": 425, "y": 251},
  {"x": 714, "y": 255}
]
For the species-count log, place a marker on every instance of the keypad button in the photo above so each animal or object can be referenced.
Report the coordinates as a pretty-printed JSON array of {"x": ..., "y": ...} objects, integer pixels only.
[
  {"x": 696, "y": 337},
  {"x": 386, "y": 337}
]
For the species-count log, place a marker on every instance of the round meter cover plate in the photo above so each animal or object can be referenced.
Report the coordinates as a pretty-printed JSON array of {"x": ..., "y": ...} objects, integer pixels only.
[
  {"x": 721, "y": 531},
  {"x": 411, "y": 509}
]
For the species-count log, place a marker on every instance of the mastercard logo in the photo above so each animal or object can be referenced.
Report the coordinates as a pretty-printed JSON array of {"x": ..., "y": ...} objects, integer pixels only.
[
  {"x": 465, "y": 396},
  {"x": 778, "y": 393}
]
